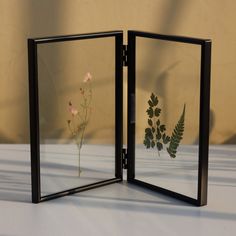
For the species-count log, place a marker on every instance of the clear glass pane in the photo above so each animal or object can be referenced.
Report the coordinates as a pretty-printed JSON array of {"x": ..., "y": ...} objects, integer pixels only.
[
  {"x": 77, "y": 113},
  {"x": 167, "y": 114}
]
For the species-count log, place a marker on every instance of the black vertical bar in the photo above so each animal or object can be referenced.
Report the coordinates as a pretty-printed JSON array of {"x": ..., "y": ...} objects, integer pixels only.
[
  {"x": 131, "y": 106},
  {"x": 118, "y": 105},
  {"x": 204, "y": 122},
  {"x": 34, "y": 123}
]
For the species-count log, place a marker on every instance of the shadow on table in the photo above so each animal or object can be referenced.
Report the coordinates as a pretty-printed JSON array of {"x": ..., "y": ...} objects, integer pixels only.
[
  {"x": 15, "y": 186},
  {"x": 142, "y": 200}
]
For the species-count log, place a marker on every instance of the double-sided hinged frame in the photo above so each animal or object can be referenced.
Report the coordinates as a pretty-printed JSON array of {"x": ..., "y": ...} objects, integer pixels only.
[{"x": 125, "y": 55}]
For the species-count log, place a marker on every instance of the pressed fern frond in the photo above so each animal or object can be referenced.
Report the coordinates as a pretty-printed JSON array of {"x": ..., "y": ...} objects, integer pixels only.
[{"x": 176, "y": 136}]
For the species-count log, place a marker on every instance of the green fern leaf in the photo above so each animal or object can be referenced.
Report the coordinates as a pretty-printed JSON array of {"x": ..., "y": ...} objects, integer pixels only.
[{"x": 176, "y": 136}]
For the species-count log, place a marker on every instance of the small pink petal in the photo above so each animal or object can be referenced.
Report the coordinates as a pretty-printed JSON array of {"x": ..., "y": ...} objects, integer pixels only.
[
  {"x": 87, "y": 77},
  {"x": 81, "y": 91},
  {"x": 73, "y": 111}
]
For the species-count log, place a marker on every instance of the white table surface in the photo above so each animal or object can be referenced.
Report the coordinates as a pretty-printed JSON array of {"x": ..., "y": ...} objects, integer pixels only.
[{"x": 117, "y": 209}]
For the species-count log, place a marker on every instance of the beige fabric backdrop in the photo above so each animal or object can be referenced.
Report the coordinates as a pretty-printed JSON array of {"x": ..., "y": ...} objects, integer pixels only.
[{"x": 20, "y": 19}]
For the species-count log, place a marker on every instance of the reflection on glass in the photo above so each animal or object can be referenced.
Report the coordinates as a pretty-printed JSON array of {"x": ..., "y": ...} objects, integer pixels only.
[
  {"x": 77, "y": 113},
  {"x": 167, "y": 114}
]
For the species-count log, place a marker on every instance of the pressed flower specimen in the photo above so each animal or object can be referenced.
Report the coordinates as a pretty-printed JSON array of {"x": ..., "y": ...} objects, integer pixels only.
[
  {"x": 80, "y": 115},
  {"x": 155, "y": 133}
]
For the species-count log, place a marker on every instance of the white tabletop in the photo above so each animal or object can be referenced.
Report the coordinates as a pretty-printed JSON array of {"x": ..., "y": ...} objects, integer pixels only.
[{"x": 117, "y": 209}]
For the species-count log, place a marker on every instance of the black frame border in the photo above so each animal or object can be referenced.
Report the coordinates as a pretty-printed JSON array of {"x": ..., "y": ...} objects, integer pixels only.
[
  {"x": 203, "y": 119},
  {"x": 34, "y": 111}
]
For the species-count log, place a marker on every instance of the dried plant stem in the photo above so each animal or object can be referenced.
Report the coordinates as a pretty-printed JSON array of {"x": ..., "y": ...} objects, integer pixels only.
[
  {"x": 84, "y": 121},
  {"x": 79, "y": 169},
  {"x": 79, "y": 121}
]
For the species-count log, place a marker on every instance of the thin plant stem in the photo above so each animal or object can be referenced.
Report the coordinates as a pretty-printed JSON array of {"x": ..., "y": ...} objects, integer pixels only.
[
  {"x": 85, "y": 108},
  {"x": 79, "y": 169},
  {"x": 77, "y": 125}
]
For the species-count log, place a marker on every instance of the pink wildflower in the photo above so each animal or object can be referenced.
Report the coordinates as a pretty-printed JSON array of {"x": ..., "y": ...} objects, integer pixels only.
[
  {"x": 72, "y": 110},
  {"x": 87, "y": 77},
  {"x": 81, "y": 91}
]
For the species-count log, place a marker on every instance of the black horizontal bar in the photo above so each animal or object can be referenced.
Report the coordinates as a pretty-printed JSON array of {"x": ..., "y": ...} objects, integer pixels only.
[
  {"x": 62, "y": 38},
  {"x": 79, "y": 189},
  {"x": 165, "y": 192},
  {"x": 182, "y": 39}
]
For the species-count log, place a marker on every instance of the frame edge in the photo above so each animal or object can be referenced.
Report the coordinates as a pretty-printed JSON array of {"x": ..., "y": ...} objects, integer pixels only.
[{"x": 34, "y": 122}]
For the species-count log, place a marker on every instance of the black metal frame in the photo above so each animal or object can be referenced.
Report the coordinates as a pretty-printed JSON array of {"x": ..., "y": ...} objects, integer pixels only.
[
  {"x": 204, "y": 114},
  {"x": 34, "y": 111},
  {"x": 124, "y": 56}
]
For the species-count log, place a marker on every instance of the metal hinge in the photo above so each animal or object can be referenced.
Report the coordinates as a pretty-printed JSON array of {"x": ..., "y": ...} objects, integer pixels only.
[
  {"x": 124, "y": 158},
  {"x": 125, "y": 55}
]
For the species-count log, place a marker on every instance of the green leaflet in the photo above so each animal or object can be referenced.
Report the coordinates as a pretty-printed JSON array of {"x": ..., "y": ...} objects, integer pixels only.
[
  {"x": 155, "y": 136},
  {"x": 150, "y": 112},
  {"x": 155, "y": 133},
  {"x": 177, "y": 135}
]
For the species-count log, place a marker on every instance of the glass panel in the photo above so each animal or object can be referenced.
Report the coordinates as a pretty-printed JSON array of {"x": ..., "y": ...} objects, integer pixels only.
[
  {"x": 167, "y": 114},
  {"x": 77, "y": 113}
]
